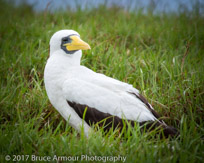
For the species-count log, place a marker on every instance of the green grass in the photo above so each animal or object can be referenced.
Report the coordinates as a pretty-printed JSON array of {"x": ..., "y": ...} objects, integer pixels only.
[{"x": 163, "y": 56}]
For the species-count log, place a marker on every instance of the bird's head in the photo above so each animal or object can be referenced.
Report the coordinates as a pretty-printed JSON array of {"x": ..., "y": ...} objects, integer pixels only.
[{"x": 67, "y": 40}]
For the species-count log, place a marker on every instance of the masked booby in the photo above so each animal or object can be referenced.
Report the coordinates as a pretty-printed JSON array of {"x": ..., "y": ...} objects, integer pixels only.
[{"x": 74, "y": 89}]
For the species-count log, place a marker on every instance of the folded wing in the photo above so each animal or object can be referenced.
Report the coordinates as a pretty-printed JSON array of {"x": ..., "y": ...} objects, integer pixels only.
[{"x": 115, "y": 103}]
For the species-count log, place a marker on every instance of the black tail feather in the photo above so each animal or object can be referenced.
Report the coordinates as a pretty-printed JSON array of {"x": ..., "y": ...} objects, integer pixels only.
[
  {"x": 170, "y": 131},
  {"x": 167, "y": 131}
]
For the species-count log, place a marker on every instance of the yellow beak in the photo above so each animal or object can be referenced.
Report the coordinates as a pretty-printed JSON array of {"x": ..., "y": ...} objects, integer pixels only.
[{"x": 77, "y": 44}]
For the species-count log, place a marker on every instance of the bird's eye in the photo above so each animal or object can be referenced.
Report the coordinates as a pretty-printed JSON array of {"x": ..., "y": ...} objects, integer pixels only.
[{"x": 65, "y": 39}]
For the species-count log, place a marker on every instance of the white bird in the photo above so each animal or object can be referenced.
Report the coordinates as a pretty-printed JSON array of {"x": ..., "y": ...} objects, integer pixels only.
[{"x": 74, "y": 89}]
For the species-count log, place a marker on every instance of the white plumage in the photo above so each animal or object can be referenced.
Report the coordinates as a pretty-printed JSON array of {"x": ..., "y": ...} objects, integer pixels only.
[{"x": 66, "y": 80}]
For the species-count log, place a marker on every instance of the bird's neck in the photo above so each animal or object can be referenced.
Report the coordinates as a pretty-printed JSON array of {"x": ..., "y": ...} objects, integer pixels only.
[{"x": 69, "y": 59}]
